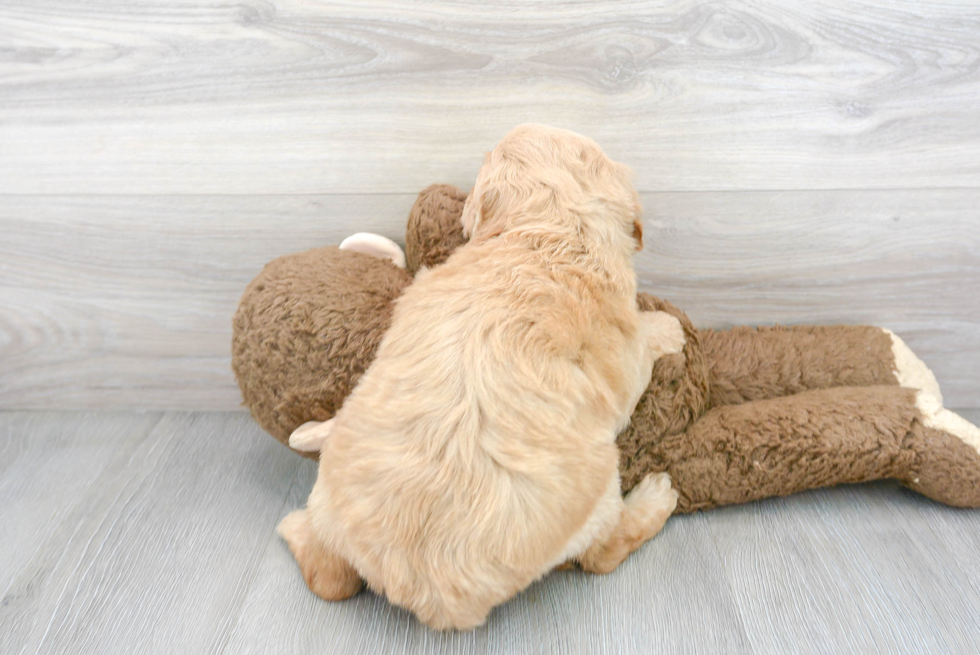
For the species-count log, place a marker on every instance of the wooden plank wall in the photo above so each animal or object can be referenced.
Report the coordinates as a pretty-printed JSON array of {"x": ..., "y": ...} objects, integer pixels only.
[{"x": 800, "y": 163}]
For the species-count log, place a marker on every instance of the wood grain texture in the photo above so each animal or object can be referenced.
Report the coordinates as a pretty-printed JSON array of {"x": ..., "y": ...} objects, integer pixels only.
[
  {"x": 45, "y": 471},
  {"x": 855, "y": 569},
  {"x": 294, "y": 96},
  {"x": 160, "y": 539},
  {"x": 126, "y": 301},
  {"x": 157, "y": 554},
  {"x": 905, "y": 260}
]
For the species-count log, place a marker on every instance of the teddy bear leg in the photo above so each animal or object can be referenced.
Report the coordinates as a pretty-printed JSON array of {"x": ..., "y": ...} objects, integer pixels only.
[
  {"x": 327, "y": 574},
  {"x": 646, "y": 509},
  {"x": 775, "y": 447},
  {"x": 747, "y": 363}
]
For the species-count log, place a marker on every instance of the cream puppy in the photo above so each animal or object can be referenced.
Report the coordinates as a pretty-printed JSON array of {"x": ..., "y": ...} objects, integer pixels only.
[{"x": 478, "y": 450}]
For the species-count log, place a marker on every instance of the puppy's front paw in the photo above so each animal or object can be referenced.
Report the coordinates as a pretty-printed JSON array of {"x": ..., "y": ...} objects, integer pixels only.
[
  {"x": 666, "y": 333},
  {"x": 651, "y": 502}
]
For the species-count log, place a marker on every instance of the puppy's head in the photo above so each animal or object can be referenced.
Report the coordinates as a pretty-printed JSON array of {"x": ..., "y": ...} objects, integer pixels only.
[{"x": 545, "y": 174}]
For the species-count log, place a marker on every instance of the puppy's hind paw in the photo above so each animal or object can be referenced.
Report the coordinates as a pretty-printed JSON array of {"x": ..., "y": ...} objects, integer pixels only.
[
  {"x": 294, "y": 530},
  {"x": 327, "y": 575}
]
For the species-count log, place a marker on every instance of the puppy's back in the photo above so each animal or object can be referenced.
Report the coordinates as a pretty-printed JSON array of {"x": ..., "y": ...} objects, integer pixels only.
[{"x": 481, "y": 438}]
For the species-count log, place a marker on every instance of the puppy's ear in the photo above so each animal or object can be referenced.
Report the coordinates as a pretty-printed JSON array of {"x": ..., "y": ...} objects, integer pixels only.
[
  {"x": 637, "y": 218},
  {"x": 638, "y": 233},
  {"x": 480, "y": 206}
]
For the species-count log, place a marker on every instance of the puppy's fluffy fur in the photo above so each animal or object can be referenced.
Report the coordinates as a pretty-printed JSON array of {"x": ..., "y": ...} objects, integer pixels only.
[{"x": 477, "y": 452}]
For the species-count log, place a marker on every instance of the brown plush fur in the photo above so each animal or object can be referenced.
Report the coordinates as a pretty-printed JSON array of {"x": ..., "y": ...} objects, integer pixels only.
[
  {"x": 676, "y": 397},
  {"x": 739, "y": 415},
  {"x": 779, "y": 446},
  {"x": 770, "y": 362},
  {"x": 434, "y": 230},
  {"x": 306, "y": 329},
  {"x": 944, "y": 469}
]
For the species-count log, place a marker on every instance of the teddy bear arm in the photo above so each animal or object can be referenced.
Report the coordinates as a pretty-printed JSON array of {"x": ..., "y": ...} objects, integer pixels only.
[
  {"x": 775, "y": 447},
  {"x": 748, "y": 363}
]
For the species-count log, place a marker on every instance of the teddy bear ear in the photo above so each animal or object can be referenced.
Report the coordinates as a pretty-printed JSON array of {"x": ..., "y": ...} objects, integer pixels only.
[
  {"x": 434, "y": 229},
  {"x": 376, "y": 246}
]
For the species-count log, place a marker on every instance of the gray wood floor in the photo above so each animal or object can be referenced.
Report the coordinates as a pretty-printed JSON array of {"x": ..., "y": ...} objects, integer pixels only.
[{"x": 154, "y": 533}]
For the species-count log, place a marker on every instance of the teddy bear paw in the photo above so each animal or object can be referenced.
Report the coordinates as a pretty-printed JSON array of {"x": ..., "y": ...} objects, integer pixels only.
[
  {"x": 935, "y": 416},
  {"x": 912, "y": 372},
  {"x": 310, "y": 437}
]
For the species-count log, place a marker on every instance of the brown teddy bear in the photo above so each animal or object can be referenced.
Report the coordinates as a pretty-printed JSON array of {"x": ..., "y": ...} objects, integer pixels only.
[{"x": 740, "y": 415}]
